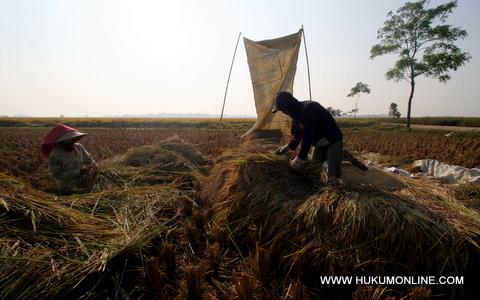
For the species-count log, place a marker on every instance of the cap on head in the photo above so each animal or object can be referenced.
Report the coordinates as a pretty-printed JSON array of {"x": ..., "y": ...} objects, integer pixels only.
[
  {"x": 72, "y": 134},
  {"x": 283, "y": 101}
]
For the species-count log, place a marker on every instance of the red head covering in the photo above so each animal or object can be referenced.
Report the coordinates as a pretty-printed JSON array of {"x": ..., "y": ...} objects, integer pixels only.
[{"x": 49, "y": 144}]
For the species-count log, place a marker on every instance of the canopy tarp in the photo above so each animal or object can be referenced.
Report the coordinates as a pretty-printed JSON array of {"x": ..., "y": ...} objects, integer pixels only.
[{"x": 272, "y": 64}]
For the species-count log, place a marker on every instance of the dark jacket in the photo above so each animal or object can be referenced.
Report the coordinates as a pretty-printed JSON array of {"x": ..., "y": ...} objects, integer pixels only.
[{"x": 310, "y": 122}]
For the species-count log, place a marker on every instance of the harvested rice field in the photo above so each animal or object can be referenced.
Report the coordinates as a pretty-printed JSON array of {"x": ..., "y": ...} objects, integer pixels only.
[{"x": 181, "y": 216}]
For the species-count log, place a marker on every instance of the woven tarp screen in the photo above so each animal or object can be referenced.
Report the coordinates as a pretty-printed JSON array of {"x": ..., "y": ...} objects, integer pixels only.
[{"x": 272, "y": 64}]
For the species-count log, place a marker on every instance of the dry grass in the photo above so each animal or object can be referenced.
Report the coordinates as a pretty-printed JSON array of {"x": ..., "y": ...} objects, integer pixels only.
[
  {"x": 312, "y": 227},
  {"x": 164, "y": 222},
  {"x": 87, "y": 245},
  {"x": 82, "y": 243}
]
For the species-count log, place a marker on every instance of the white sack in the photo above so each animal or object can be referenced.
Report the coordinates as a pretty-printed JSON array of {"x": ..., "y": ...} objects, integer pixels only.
[{"x": 448, "y": 173}]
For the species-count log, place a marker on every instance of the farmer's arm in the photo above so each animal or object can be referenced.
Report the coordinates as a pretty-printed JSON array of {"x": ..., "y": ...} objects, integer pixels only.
[{"x": 310, "y": 121}]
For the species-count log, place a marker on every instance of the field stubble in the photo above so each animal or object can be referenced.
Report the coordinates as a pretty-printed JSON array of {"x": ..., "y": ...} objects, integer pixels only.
[
  {"x": 20, "y": 146},
  {"x": 21, "y": 156}
]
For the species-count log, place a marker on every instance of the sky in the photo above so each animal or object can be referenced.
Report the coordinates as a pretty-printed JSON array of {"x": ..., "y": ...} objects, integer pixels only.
[{"x": 97, "y": 58}]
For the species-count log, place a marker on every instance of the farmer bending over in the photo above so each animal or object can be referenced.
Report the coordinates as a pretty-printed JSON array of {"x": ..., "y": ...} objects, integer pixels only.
[
  {"x": 312, "y": 125},
  {"x": 68, "y": 161}
]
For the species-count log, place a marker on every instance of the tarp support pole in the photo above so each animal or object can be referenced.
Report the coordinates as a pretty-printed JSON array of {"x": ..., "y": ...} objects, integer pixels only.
[
  {"x": 308, "y": 65},
  {"x": 228, "y": 81}
]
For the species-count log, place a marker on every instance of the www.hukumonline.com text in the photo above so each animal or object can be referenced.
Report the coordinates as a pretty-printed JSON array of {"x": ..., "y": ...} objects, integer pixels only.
[{"x": 392, "y": 280}]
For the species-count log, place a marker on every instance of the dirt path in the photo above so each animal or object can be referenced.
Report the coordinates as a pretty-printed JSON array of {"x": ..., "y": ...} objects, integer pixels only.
[{"x": 452, "y": 128}]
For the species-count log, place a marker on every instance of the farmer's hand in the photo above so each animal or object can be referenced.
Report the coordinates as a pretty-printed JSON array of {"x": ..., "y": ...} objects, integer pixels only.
[
  {"x": 282, "y": 150},
  {"x": 296, "y": 163}
]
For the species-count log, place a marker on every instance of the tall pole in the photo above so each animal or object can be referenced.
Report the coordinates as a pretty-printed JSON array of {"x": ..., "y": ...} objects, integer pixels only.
[
  {"x": 228, "y": 81},
  {"x": 308, "y": 66}
]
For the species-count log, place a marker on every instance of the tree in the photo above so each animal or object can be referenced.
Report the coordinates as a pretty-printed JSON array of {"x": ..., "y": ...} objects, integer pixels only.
[
  {"x": 355, "y": 93},
  {"x": 334, "y": 112},
  {"x": 353, "y": 111},
  {"x": 393, "y": 112},
  {"x": 423, "y": 42}
]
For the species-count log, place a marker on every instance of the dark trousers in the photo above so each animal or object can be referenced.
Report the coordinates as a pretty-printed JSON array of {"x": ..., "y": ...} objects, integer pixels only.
[{"x": 333, "y": 154}]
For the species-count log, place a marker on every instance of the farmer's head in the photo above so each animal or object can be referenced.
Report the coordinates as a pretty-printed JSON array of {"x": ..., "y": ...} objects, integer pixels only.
[{"x": 286, "y": 103}]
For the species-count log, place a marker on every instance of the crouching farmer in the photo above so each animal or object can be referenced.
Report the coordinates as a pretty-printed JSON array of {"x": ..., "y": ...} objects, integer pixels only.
[
  {"x": 68, "y": 161},
  {"x": 312, "y": 125}
]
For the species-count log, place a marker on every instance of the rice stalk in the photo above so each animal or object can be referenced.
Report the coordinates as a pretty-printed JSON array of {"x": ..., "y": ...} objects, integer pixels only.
[
  {"x": 194, "y": 283},
  {"x": 118, "y": 282},
  {"x": 82, "y": 246},
  {"x": 153, "y": 273},
  {"x": 297, "y": 291},
  {"x": 5, "y": 205},
  {"x": 234, "y": 242},
  {"x": 261, "y": 262},
  {"x": 193, "y": 234},
  {"x": 214, "y": 259},
  {"x": 418, "y": 293},
  {"x": 371, "y": 293},
  {"x": 245, "y": 286},
  {"x": 169, "y": 256}
]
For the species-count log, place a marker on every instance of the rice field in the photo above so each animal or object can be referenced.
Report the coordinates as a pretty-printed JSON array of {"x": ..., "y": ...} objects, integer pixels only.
[{"x": 195, "y": 212}]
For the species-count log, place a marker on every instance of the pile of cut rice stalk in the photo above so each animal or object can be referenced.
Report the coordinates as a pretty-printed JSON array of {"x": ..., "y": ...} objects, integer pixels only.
[
  {"x": 95, "y": 246},
  {"x": 307, "y": 226},
  {"x": 171, "y": 160}
]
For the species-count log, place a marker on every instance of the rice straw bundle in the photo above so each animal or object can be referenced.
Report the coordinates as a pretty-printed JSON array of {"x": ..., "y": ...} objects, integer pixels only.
[
  {"x": 57, "y": 248},
  {"x": 311, "y": 227},
  {"x": 97, "y": 180},
  {"x": 172, "y": 160}
]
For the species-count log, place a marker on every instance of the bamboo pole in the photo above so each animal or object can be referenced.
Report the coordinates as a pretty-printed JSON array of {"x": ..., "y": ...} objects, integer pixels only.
[
  {"x": 308, "y": 65},
  {"x": 228, "y": 81}
]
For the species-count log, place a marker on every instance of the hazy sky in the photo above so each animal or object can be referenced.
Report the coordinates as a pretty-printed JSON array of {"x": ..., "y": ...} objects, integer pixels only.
[{"x": 114, "y": 57}]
